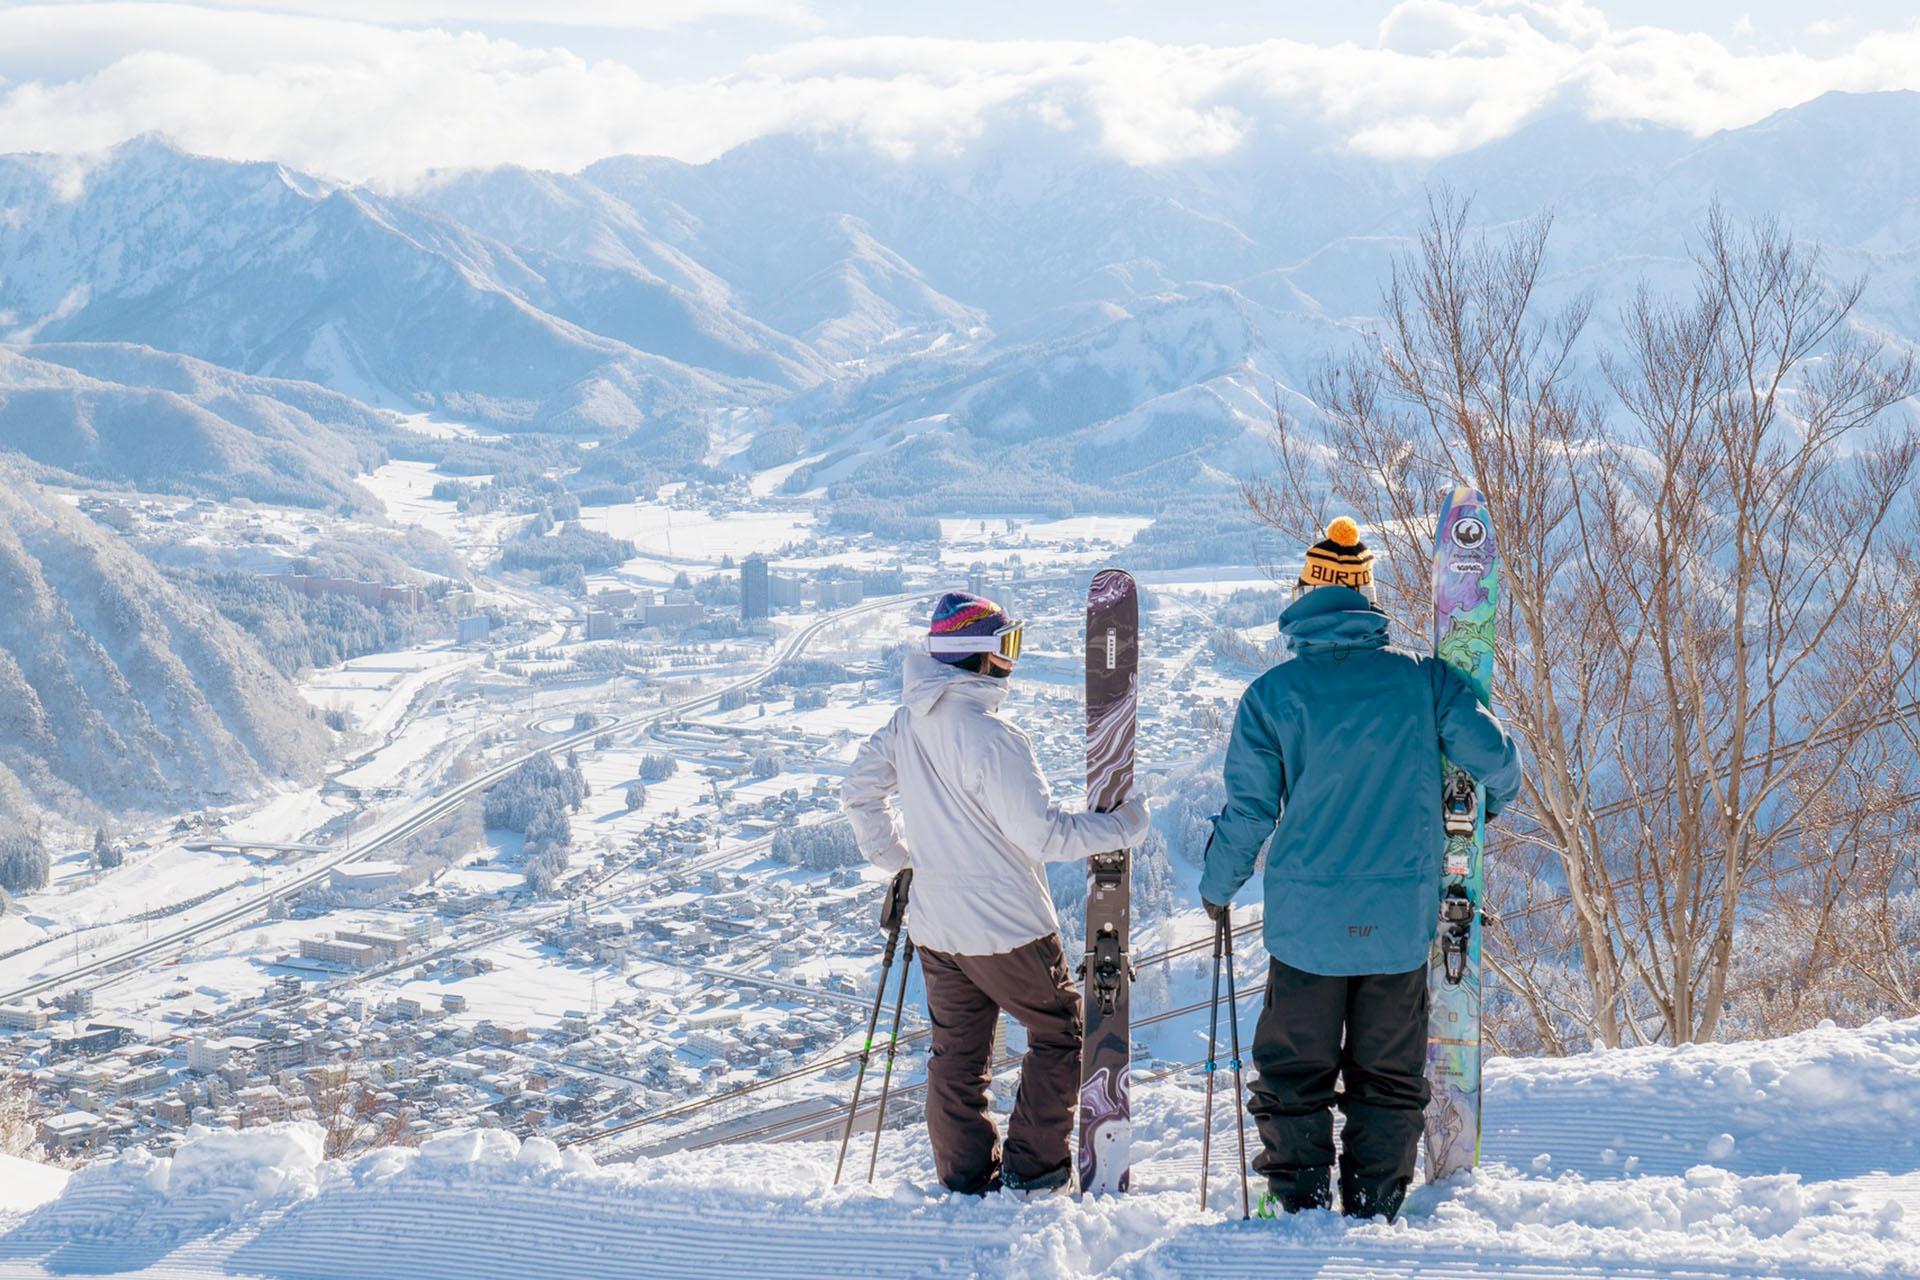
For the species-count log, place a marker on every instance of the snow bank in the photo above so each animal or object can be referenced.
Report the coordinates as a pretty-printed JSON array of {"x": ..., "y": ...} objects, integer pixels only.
[
  {"x": 1829, "y": 1103},
  {"x": 1793, "y": 1158},
  {"x": 27, "y": 1184}
]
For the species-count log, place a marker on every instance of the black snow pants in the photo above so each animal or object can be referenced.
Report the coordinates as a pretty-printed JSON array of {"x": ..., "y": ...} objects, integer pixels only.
[{"x": 1368, "y": 1034}]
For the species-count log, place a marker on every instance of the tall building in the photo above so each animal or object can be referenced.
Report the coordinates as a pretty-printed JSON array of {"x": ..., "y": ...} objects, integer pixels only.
[
  {"x": 837, "y": 593},
  {"x": 977, "y": 582},
  {"x": 754, "y": 600},
  {"x": 785, "y": 591}
]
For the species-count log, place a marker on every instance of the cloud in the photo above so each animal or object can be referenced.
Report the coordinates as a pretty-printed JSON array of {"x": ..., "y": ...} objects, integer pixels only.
[
  {"x": 644, "y": 15},
  {"x": 384, "y": 103}
]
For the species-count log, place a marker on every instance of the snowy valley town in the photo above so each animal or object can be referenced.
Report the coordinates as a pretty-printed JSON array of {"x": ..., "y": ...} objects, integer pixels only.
[{"x": 820, "y": 639}]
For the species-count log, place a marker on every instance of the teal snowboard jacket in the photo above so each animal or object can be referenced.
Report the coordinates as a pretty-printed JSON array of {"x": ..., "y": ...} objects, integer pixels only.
[{"x": 1336, "y": 755}]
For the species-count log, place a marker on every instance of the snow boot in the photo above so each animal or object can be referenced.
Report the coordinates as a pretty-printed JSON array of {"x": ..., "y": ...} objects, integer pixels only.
[
  {"x": 1298, "y": 1192},
  {"x": 1369, "y": 1199},
  {"x": 979, "y": 1188},
  {"x": 1040, "y": 1185}
]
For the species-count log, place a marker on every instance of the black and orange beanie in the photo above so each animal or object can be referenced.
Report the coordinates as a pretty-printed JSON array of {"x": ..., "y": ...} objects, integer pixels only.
[{"x": 1339, "y": 560}]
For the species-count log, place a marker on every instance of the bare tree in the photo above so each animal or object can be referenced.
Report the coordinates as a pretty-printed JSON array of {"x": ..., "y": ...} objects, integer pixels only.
[
  {"x": 19, "y": 1121},
  {"x": 353, "y": 1117},
  {"x": 1707, "y": 585}
]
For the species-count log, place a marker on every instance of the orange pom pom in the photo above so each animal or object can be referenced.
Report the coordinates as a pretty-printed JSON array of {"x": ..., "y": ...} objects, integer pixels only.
[{"x": 1343, "y": 532}]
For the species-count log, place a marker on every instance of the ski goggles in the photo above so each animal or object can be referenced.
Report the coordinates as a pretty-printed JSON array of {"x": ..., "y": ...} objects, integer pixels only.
[{"x": 1005, "y": 642}]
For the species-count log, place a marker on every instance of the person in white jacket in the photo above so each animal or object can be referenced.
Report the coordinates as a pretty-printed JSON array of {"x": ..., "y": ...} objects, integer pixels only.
[{"x": 953, "y": 791}]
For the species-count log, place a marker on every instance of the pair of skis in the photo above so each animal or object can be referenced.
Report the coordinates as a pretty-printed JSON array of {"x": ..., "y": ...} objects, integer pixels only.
[
  {"x": 1466, "y": 586},
  {"x": 1466, "y": 589},
  {"x": 1106, "y": 1054}
]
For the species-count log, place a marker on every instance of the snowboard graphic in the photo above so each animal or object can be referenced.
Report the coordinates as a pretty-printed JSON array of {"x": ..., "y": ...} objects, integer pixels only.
[
  {"x": 1466, "y": 586},
  {"x": 1113, "y": 624}
]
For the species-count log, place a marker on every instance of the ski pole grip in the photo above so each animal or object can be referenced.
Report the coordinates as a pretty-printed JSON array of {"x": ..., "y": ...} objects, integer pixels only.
[{"x": 894, "y": 910}]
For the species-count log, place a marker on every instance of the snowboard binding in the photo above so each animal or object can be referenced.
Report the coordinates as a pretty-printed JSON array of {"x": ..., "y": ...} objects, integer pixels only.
[{"x": 1456, "y": 929}]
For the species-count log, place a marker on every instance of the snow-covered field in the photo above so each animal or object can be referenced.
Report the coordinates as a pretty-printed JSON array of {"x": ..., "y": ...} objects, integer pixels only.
[
  {"x": 378, "y": 689},
  {"x": 406, "y": 490},
  {"x": 1790, "y": 1158},
  {"x": 677, "y": 535}
]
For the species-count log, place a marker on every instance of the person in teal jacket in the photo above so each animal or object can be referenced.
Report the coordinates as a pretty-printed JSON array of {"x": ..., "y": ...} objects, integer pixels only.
[{"x": 1335, "y": 755}]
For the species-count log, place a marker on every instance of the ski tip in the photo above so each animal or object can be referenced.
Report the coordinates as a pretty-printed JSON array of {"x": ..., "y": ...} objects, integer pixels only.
[{"x": 1110, "y": 587}]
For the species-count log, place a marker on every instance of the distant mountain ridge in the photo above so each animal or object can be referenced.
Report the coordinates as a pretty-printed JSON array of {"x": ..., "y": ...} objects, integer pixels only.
[
  {"x": 1018, "y": 293},
  {"x": 131, "y": 416},
  {"x": 1015, "y": 329}
]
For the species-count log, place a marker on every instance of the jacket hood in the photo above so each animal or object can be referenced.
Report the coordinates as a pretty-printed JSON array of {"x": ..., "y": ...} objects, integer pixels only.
[
  {"x": 924, "y": 682},
  {"x": 1333, "y": 618}
]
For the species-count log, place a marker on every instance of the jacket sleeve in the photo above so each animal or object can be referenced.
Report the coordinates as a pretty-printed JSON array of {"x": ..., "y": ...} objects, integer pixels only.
[
  {"x": 864, "y": 796},
  {"x": 1016, "y": 793},
  {"x": 1255, "y": 775},
  {"x": 1474, "y": 738}
]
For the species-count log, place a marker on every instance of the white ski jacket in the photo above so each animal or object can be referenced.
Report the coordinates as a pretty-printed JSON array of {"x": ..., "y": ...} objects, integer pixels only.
[{"x": 975, "y": 819}]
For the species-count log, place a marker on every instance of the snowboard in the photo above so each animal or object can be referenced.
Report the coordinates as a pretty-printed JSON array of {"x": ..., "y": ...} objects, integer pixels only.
[
  {"x": 1466, "y": 587},
  {"x": 1113, "y": 626}
]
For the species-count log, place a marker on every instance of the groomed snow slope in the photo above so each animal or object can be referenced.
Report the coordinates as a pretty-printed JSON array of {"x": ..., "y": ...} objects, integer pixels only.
[{"x": 1790, "y": 1158}]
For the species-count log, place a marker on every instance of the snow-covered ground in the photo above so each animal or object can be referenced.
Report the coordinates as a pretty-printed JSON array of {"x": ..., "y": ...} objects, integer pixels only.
[
  {"x": 26, "y": 1185},
  {"x": 406, "y": 490},
  {"x": 685, "y": 537},
  {"x": 378, "y": 689},
  {"x": 1791, "y": 1158}
]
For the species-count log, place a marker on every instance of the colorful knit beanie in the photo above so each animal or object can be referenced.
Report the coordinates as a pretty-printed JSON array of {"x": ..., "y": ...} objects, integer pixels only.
[{"x": 961, "y": 614}]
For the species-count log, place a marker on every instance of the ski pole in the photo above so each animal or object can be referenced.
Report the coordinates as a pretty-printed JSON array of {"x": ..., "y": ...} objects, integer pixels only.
[
  {"x": 1213, "y": 1043},
  {"x": 891, "y": 915},
  {"x": 1233, "y": 1021},
  {"x": 893, "y": 1045}
]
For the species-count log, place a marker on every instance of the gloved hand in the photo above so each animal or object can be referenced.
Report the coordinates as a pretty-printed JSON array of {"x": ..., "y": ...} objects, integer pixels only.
[
  {"x": 1216, "y": 911},
  {"x": 1135, "y": 820}
]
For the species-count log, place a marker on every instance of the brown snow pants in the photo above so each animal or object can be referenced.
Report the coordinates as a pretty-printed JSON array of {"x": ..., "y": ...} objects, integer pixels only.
[{"x": 965, "y": 995}]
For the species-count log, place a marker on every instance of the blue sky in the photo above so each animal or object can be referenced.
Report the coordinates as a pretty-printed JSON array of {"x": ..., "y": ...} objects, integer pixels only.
[{"x": 387, "y": 90}]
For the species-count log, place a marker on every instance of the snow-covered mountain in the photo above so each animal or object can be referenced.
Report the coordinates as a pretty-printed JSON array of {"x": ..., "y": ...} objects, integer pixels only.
[
  {"x": 117, "y": 689},
  {"x": 1014, "y": 295},
  {"x": 267, "y": 271},
  {"x": 127, "y": 415}
]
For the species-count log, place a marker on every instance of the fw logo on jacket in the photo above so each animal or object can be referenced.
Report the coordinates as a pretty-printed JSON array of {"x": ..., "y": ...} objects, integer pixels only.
[{"x": 1359, "y": 931}]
